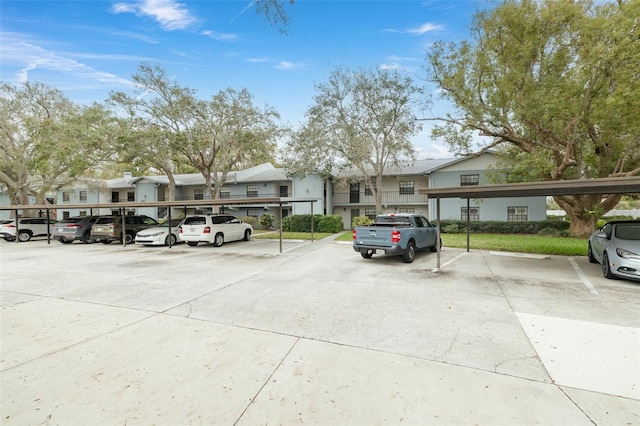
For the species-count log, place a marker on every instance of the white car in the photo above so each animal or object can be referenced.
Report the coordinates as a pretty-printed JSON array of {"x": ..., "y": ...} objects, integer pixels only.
[
  {"x": 159, "y": 235},
  {"x": 214, "y": 229},
  {"x": 28, "y": 227},
  {"x": 616, "y": 247}
]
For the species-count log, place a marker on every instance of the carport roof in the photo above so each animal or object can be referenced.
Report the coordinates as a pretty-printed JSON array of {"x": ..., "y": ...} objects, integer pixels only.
[{"x": 619, "y": 185}]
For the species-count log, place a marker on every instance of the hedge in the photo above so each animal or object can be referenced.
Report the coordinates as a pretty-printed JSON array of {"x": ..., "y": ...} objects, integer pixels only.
[
  {"x": 321, "y": 223},
  {"x": 546, "y": 227}
]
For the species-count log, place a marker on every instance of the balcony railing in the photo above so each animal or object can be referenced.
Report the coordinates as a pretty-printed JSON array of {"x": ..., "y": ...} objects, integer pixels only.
[
  {"x": 388, "y": 197},
  {"x": 235, "y": 197}
]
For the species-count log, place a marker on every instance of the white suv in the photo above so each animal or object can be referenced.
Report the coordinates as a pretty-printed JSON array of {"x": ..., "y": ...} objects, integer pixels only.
[
  {"x": 214, "y": 229},
  {"x": 28, "y": 227}
]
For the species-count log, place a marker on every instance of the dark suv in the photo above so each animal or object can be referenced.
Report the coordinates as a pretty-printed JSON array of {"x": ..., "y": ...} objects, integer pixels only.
[
  {"x": 109, "y": 228},
  {"x": 74, "y": 228}
]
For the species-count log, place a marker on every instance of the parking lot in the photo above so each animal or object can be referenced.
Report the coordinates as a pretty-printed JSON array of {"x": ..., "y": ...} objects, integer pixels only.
[{"x": 243, "y": 334}]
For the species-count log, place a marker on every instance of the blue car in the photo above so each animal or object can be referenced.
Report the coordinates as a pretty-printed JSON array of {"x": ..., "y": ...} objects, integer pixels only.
[{"x": 616, "y": 246}]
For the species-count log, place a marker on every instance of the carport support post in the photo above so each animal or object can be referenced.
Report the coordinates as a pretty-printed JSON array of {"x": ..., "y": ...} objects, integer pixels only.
[
  {"x": 124, "y": 228},
  {"x": 17, "y": 225},
  {"x": 280, "y": 208},
  {"x": 48, "y": 230},
  {"x": 438, "y": 248},
  {"x": 468, "y": 224},
  {"x": 311, "y": 220},
  {"x": 169, "y": 216}
]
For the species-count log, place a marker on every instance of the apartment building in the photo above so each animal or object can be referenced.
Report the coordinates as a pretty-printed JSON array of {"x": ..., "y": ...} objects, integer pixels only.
[
  {"x": 400, "y": 192},
  {"x": 345, "y": 194}
]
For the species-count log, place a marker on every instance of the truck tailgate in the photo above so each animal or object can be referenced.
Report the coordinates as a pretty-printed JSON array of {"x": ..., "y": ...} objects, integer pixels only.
[{"x": 374, "y": 236}]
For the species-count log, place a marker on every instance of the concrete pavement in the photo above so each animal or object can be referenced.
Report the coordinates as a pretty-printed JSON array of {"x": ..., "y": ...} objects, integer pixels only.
[{"x": 241, "y": 334}]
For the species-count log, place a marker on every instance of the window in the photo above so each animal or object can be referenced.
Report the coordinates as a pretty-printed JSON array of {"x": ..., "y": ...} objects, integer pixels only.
[
  {"x": 65, "y": 215},
  {"x": 254, "y": 213},
  {"x": 367, "y": 189},
  {"x": 474, "y": 213},
  {"x": 225, "y": 192},
  {"x": 284, "y": 191},
  {"x": 407, "y": 187},
  {"x": 468, "y": 180},
  {"x": 517, "y": 214},
  {"x": 115, "y": 197},
  {"x": 223, "y": 210},
  {"x": 82, "y": 213},
  {"x": 131, "y": 196},
  {"x": 65, "y": 196},
  {"x": 406, "y": 210},
  {"x": 198, "y": 194},
  {"x": 370, "y": 213},
  {"x": 83, "y": 196},
  {"x": 252, "y": 190}
]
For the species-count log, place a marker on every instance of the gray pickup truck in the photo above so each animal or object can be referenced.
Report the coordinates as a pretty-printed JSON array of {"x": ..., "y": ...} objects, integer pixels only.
[{"x": 399, "y": 234}]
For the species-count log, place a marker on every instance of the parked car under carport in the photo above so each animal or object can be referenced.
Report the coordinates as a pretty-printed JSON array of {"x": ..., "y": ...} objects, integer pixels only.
[{"x": 616, "y": 247}]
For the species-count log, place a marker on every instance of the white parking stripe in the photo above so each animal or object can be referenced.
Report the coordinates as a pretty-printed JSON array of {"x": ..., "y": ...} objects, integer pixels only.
[
  {"x": 452, "y": 260},
  {"x": 582, "y": 276}
]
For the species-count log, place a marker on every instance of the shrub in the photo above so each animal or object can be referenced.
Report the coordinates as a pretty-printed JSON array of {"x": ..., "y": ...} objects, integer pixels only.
[
  {"x": 330, "y": 223},
  {"x": 266, "y": 221},
  {"x": 551, "y": 227},
  {"x": 250, "y": 220},
  {"x": 321, "y": 223},
  {"x": 361, "y": 221}
]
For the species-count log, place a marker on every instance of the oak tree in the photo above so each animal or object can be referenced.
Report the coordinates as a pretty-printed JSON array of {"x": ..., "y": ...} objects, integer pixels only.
[
  {"x": 360, "y": 120},
  {"x": 554, "y": 85}
]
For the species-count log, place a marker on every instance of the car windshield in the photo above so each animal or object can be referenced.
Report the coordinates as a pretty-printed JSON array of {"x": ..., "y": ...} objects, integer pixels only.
[
  {"x": 104, "y": 220},
  {"x": 628, "y": 231}
]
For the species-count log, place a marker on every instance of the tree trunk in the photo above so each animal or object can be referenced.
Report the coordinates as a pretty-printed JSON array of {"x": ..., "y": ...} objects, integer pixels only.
[
  {"x": 585, "y": 210},
  {"x": 582, "y": 225}
]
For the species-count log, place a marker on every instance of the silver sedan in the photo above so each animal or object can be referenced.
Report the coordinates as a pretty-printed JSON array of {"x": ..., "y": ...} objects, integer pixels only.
[{"x": 616, "y": 246}]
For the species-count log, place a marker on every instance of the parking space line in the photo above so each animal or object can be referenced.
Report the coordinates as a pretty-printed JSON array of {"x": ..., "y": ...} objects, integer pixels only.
[
  {"x": 585, "y": 280},
  {"x": 452, "y": 260}
]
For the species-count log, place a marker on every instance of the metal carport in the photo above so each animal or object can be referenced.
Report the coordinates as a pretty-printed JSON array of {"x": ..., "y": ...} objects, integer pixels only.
[
  {"x": 273, "y": 201},
  {"x": 619, "y": 185}
]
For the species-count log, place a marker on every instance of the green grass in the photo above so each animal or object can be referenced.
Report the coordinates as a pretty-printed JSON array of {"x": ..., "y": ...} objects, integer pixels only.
[
  {"x": 514, "y": 243},
  {"x": 519, "y": 243},
  {"x": 275, "y": 235}
]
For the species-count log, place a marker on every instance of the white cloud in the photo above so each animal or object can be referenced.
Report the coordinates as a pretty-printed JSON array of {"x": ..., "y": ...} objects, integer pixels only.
[
  {"x": 257, "y": 60},
  {"x": 287, "y": 65},
  {"x": 392, "y": 66},
  {"x": 26, "y": 56},
  {"x": 219, "y": 36},
  {"x": 425, "y": 28},
  {"x": 170, "y": 14}
]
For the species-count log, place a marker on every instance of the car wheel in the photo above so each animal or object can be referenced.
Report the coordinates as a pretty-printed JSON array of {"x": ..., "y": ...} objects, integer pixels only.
[
  {"x": 367, "y": 254},
  {"x": 106, "y": 241},
  {"x": 247, "y": 235},
  {"x": 218, "y": 240},
  {"x": 434, "y": 248},
  {"x": 192, "y": 243},
  {"x": 606, "y": 268},
  {"x": 410, "y": 252},
  {"x": 24, "y": 236},
  {"x": 592, "y": 259},
  {"x": 9, "y": 238},
  {"x": 128, "y": 238},
  {"x": 170, "y": 240},
  {"x": 65, "y": 241}
]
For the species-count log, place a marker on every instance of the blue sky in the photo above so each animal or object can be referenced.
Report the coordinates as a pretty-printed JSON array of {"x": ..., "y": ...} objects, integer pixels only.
[{"x": 88, "y": 48}]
